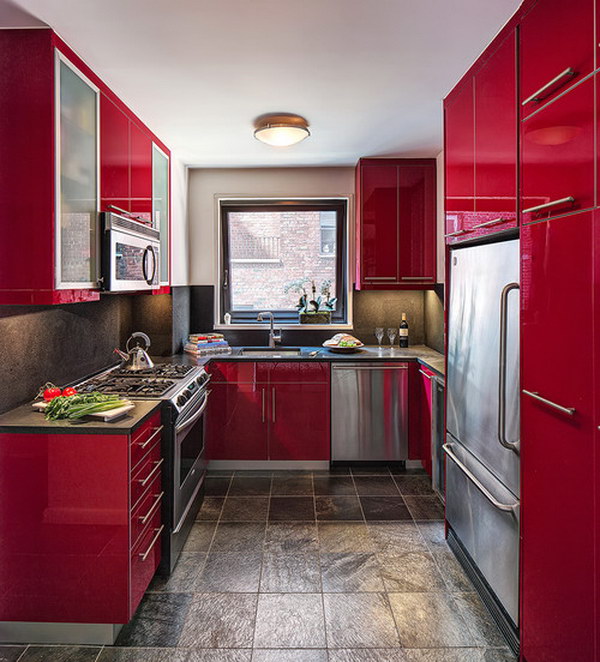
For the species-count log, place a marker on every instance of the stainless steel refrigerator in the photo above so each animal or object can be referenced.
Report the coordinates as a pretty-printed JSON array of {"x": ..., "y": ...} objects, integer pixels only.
[{"x": 482, "y": 420}]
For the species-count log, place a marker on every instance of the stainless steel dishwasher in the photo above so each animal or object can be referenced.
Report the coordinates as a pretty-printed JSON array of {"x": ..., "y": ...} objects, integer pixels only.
[{"x": 369, "y": 407}]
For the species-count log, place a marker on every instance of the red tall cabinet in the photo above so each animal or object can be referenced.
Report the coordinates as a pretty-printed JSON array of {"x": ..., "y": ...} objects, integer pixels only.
[{"x": 396, "y": 224}]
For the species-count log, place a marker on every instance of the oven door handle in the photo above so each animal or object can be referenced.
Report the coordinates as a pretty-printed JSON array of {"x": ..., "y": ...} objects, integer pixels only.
[{"x": 194, "y": 417}]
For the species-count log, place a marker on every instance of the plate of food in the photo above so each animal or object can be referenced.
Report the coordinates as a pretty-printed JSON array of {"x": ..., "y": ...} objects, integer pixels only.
[{"x": 343, "y": 343}]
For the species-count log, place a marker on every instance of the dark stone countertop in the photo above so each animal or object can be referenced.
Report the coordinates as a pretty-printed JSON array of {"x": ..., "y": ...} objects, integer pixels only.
[
  {"x": 421, "y": 353},
  {"x": 26, "y": 419}
]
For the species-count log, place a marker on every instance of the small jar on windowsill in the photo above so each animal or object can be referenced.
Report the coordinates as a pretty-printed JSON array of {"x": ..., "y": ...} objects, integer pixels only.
[{"x": 322, "y": 317}]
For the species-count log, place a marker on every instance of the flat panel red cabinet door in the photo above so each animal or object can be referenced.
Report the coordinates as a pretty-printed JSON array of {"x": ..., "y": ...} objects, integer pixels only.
[
  {"x": 557, "y": 452},
  {"x": 114, "y": 156},
  {"x": 417, "y": 230},
  {"x": 379, "y": 224},
  {"x": 459, "y": 155},
  {"x": 496, "y": 129},
  {"x": 557, "y": 156},
  {"x": 141, "y": 172},
  {"x": 556, "y": 37}
]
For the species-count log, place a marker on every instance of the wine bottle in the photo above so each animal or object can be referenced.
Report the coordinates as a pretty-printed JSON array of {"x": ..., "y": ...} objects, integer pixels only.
[{"x": 403, "y": 331}]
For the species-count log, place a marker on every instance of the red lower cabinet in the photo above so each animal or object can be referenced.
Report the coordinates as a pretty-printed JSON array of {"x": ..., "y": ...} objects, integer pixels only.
[
  {"x": 71, "y": 551},
  {"x": 557, "y": 441},
  {"x": 268, "y": 411}
]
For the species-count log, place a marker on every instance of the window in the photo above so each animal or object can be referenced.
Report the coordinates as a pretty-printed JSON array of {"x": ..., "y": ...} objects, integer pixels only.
[{"x": 273, "y": 251}]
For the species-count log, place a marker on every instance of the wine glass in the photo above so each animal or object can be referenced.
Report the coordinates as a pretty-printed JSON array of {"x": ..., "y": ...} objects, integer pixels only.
[
  {"x": 379, "y": 335},
  {"x": 392, "y": 333}
]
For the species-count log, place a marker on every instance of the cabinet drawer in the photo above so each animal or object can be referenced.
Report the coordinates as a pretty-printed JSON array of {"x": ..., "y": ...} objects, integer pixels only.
[
  {"x": 144, "y": 437},
  {"x": 144, "y": 561},
  {"x": 148, "y": 505},
  {"x": 557, "y": 49},
  {"x": 557, "y": 174},
  {"x": 144, "y": 475}
]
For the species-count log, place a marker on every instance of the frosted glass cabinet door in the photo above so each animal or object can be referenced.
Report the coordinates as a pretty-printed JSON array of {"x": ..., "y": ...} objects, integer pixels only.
[
  {"x": 77, "y": 191},
  {"x": 160, "y": 207}
]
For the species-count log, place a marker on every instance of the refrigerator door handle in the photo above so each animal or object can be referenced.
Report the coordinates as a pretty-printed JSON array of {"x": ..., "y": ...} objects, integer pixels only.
[
  {"x": 507, "y": 507},
  {"x": 511, "y": 445}
]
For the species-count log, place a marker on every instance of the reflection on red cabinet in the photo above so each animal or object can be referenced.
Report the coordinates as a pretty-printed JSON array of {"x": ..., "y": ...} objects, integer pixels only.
[
  {"x": 299, "y": 427},
  {"x": 379, "y": 224},
  {"x": 557, "y": 148},
  {"x": 496, "y": 129},
  {"x": 557, "y": 451},
  {"x": 416, "y": 223},
  {"x": 114, "y": 156},
  {"x": 140, "y": 147},
  {"x": 557, "y": 44},
  {"x": 459, "y": 155},
  {"x": 236, "y": 372},
  {"x": 236, "y": 421}
]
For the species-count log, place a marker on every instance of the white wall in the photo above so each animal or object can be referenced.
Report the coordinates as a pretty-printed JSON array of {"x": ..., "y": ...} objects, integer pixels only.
[
  {"x": 179, "y": 223},
  {"x": 207, "y": 185},
  {"x": 441, "y": 246}
]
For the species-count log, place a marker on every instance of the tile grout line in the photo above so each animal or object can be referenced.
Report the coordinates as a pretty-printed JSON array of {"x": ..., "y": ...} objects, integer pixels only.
[
  {"x": 99, "y": 654},
  {"x": 27, "y": 646},
  {"x": 262, "y": 564}
]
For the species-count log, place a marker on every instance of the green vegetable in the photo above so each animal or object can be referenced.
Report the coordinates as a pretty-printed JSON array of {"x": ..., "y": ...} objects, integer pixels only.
[{"x": 73, "y": 407}]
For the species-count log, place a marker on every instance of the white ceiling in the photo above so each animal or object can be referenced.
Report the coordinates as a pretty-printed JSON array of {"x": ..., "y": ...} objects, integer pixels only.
[{"x": 369, "y": 75}]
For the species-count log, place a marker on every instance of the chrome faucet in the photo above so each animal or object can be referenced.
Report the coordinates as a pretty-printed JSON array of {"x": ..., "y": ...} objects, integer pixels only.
[{"x": 273, "y": 337}]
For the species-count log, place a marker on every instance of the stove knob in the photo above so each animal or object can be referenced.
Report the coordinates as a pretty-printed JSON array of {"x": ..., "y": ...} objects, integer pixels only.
[
  {"x": 200, "y": 380},
  {"x": 181, "y": 400}
]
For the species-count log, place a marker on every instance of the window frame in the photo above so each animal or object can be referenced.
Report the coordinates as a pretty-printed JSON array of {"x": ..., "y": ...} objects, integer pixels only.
[{"x": 341, "y": 317}]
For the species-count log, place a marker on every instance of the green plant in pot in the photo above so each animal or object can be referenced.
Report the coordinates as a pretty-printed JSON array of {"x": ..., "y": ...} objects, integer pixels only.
[{"x": 316, "y": 309}]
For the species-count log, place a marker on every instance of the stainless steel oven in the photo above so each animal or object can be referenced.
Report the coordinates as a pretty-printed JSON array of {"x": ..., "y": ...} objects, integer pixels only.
[{"x": 130, "y": 255}]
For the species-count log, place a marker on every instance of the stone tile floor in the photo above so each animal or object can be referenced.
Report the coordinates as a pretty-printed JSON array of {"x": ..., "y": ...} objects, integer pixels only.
[{"x": 343, "y": 566}]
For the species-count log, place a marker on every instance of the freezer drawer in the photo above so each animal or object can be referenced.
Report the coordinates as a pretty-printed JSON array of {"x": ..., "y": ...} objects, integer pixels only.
[
  {"x": 369, "y": 411},
  {"x": 485, "y": 517}
]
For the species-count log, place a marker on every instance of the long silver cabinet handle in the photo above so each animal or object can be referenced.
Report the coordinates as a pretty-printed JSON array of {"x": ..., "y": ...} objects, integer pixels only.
[
  {"x": 157, "y": 465},
  {"x": 511, "y": 445},
  {"x": 157, "y": 532},
  {"x": 457, "y": 233},
  {"x": 416, "y": 278},
  {"x": 539, "y": 94},
  {"x": 507, "y": 507},
  {"x": 379, "y": 278},
  {"x": 274, "y": 414},
  {"x": 536, "y": 396},
  {"x": 547, "y": 205},
  {"x": 153, "y": 507},
  {"x": 429, "y": 377},
  {"x": 151, "y": 437},
  {"x": 369, "y": 367},
  {"x": 487, "y": 224},
  {"x": 263, "y": 405}
]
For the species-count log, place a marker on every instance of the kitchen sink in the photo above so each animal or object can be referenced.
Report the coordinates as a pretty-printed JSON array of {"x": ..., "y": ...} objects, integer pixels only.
[{"x": 271, "y": 351}]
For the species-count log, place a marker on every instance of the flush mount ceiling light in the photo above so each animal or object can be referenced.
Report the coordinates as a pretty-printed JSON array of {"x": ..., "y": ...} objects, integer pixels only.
[{"x": 281, "y": 130}]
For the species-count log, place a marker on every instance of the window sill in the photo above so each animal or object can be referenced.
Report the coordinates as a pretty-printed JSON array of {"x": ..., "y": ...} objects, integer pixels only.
[{"x": 285, "y": 327}]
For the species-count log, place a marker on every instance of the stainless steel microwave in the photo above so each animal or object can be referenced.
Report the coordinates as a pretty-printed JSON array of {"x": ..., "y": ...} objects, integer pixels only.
[{"x": 130, "y": 254}]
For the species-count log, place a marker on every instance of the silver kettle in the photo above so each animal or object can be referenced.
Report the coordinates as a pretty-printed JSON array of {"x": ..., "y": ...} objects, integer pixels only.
[{"x": 136, "y": 358}]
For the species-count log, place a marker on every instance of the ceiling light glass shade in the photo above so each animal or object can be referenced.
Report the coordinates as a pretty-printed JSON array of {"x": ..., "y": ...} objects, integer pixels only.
[{"x": 281, "y": 130}]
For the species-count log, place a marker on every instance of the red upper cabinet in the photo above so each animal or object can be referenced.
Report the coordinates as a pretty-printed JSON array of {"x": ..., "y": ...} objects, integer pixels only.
[
  {"x": 557, "y": 156},
  {"x": 114, "y": 157},
  {"x": 396, "y": 227},
  {"x": 459, "y": 155},
  {"x": 557, "y": 49},
  {"x": 496, "y": 130},
  {"x": 558, "y": 483},
  {"x": 140, "y": 154}
]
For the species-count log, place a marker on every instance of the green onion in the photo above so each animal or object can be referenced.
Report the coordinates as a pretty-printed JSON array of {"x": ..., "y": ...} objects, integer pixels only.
[{"x": 76, "y": 406}]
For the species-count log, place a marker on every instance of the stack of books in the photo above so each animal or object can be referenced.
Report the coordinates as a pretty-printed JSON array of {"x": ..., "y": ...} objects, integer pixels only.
[{"x": 203, "y": 344}]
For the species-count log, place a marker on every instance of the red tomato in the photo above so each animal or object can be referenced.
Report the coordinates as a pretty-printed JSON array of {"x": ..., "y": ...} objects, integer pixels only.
[
  {"x": 69, "y": 391},
  {"x": 51, "y": 393}
]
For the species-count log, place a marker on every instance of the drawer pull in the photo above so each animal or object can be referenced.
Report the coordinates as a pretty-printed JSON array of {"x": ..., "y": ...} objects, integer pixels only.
[
  {"x": 144, "y": 555},
  {"x": 151, "y": 437},
  {"x": 429, "y": 377},
  {"x": 457, "y": 233},
  {"x": 487, "y": 224},
  {"x": 536, "y": 396},
  {"x": 153, "y": 508},
  {"x": 545, "y": 90},
  {"x": 157, "y": 464},
  {"x": 547, "y": 205},
  {"x": 380, "y": 278},
  {"x": 416, "y": 278}
]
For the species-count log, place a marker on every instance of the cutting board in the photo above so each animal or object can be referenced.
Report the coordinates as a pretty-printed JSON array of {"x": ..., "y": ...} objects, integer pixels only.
[{"x": 106, "y": 416}]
